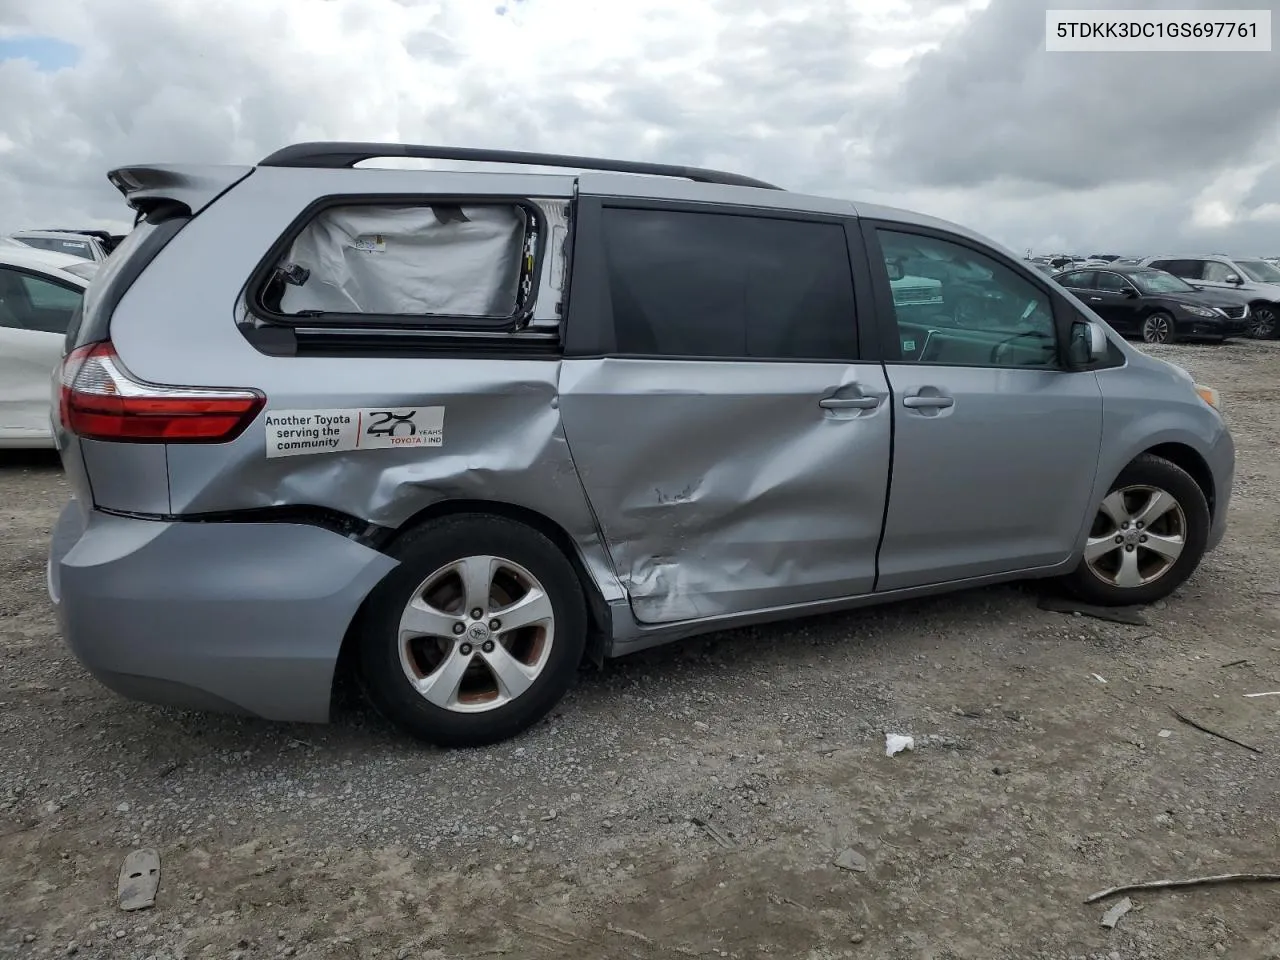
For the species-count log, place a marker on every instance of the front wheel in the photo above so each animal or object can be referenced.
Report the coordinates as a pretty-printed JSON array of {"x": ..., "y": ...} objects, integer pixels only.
[
  {"x": 1264, "y": 322},
  {"x": 1158, "y": 328},
  {"x": 476, "y": 635},
  {"x": 1147, "y": 537}
]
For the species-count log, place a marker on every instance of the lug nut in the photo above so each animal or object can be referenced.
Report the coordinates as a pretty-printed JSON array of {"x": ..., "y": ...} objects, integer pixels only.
[
  {"x": 1143, "y": 538},
  {"x": 477, "y": 613},
  {"x": 1119, "y": 539},
  {"x": 459, "y": 627},
  {"x": 1125, "y": 525},
  {"x": 1139, "y": 524},
  {"x": 488, "y": 646},
  {"x": 465, "y": 649},
  {"x": 1129, "y": 548},
  {"x": 495, "y": 624}
]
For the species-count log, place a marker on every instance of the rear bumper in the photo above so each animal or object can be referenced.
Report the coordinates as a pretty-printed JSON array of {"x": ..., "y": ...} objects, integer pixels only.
[{"x": 230, "y": 617}]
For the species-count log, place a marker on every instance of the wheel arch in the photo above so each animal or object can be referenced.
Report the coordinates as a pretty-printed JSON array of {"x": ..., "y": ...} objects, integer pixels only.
[
  {"x": 599, "y": 619},
  {"x": 1186, "y": 457}
]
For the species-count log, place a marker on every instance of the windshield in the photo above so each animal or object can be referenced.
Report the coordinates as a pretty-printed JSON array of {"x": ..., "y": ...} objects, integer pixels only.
[
  {"x": 1259, "y": 271},
  {"x": 1157, "y": 281}
]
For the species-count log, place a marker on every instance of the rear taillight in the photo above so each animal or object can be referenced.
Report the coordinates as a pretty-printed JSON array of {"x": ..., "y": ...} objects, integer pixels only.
[{"x": 100, "y": 401}]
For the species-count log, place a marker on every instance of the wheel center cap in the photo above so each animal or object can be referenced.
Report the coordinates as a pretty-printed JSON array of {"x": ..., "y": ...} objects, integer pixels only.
[
  {"x": 478, "y": 633},
  {"x": 1131, "y": 537}
]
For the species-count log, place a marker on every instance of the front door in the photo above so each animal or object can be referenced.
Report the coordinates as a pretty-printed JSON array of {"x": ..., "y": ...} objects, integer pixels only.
[
  {"x": 34, "y": 313},
  {"x": 995, "y": 444},
  {"x": 733, "y": 447},
  {"x": 1116, "y": 300}
]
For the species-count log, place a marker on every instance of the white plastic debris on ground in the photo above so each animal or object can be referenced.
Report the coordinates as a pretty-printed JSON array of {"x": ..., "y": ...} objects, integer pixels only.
[
  {"x": 896, "y": 743},
  {"x": 443, "y": 260}
]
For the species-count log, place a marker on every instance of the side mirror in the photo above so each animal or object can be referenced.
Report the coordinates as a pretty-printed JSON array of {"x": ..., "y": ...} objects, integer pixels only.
[
  {"x": 1234, "y": 278},
  {"x": 894, "y": 267},
  {"x": 1088, "y": 342},
  {"x": 1131, "y": 293}
]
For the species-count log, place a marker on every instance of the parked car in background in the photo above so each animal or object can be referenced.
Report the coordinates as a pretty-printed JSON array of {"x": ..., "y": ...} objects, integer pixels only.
[
  {"x": 39, "y": 293},
  {"x": 1257, "y": 279},
  {"x": 1157, "y": 306},
  {"x": 614, "y": 407},
  {"x": 85, "y": 245}
]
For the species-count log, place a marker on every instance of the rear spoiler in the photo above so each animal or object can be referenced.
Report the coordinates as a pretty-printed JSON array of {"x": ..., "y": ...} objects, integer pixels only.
[{"x": 181, "y": 189}]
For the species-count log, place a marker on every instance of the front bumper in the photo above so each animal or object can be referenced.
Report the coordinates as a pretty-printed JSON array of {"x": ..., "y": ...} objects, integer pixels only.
[
  {"x": 1207, "y": 327},
  {"x": 241, "y": 618}
]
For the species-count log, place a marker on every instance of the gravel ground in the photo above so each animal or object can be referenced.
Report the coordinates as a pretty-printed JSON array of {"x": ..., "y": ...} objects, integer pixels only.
[{"x": 691, "y": 800}]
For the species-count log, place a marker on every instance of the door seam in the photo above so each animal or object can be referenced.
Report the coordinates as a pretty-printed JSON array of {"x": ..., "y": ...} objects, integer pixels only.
[{"x": 888, "y": 488}]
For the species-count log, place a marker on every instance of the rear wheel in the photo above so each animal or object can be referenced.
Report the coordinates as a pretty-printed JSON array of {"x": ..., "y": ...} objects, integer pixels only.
[
  {"x": 1264, "y": 321},
  {"x": 476, "y": 635},
  {"x": 1147, "y": 537},
  {"x": 1158, "y": 328}
]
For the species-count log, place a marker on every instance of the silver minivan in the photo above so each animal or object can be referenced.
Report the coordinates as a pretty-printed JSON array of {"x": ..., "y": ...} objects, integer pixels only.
[{"x": 464, "y": 431}]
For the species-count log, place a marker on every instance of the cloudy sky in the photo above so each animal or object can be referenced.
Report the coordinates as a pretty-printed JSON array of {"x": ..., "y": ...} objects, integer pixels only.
[{"x": 951, "y": 107}]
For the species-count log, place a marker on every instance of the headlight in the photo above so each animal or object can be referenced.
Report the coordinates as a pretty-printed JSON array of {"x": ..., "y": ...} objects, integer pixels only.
[
  {"x": 1210, "y": 396},
  {"x": 1198, "y": 311}
]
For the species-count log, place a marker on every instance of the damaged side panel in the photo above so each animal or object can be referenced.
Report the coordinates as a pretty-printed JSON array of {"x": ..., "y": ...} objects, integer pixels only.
[
  {"x": 499, "y": 440},
  {"x": 485, "y": 429},
  {"x": 723, "y": 487}
]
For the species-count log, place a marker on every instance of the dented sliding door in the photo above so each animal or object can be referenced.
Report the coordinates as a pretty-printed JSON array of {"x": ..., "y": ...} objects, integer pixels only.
[{"x": 734, "y": 450}]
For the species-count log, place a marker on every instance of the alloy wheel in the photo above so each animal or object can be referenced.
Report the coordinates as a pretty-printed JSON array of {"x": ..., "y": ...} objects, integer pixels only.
[
  {"x": 476, "y": 634},
  {"x": 1137, "y": 536},
  {"x": 1263, "y": 325},
  {"x": 1155, "y": 329}
]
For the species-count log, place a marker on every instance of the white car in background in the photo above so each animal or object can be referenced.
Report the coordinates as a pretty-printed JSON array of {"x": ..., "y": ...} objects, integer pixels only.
[{"x": 39, "y": 292}]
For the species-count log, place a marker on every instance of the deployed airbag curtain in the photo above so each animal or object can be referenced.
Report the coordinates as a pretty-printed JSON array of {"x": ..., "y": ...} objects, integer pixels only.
[{"x": 446, "y": 259}]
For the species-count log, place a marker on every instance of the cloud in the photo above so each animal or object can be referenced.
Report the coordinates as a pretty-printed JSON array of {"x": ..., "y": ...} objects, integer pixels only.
[{"x": 951, "y": 107}]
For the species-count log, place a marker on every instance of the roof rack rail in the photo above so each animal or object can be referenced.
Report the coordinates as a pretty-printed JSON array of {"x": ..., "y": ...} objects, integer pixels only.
[{"x": 337, "y": 155}]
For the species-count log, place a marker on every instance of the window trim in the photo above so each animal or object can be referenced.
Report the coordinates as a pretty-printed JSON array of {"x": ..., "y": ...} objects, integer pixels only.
[
  {"x": 886, "y": 316},
  {"x": 1093, "y": 271},
  {"x": 1229, "y": 266},
  {"x": 1129, "y": 284},
  {"x": 55, "y": 281},
  {"x": 589, "y": 331},
  {"x": 255, "y": 286}
]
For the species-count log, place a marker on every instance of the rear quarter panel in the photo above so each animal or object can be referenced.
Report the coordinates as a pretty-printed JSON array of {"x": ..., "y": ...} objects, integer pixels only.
[{"x": 502, "y": 437}]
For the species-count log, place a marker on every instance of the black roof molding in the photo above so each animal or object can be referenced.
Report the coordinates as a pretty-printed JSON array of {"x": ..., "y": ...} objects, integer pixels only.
[{"x": 337, "y": 155}]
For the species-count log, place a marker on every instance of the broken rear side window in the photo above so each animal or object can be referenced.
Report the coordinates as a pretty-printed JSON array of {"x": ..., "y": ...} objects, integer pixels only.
[{"x": 443, "y": 260}]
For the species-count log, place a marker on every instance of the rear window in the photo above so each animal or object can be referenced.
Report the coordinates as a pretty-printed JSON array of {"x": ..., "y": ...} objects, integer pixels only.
[
  {"x": 74, "y": 248},
  {"x": 425, "y": 263}
]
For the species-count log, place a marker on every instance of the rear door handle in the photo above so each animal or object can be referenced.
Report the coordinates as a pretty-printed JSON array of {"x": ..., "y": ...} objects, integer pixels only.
[
  {"x": 933, "y": 403},
  {"x": 1096, "y": 299},
  {"x": 845, "y": 403}
]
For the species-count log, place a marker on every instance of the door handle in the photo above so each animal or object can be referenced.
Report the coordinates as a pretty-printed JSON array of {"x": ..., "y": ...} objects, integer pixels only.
[
  {"x": 1096, "y": 299},
  {"x": 845, "y": 403},
  {"x": 931, "y": 403}
]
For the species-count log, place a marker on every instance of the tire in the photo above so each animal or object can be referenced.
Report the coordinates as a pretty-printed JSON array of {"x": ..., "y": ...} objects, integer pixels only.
[
  {"x": 1264, "y": 322},
  {"x": 1103, "y": 568},
  {"x": 469, "y": 705},
  {"x": 1158, "y": 328}
]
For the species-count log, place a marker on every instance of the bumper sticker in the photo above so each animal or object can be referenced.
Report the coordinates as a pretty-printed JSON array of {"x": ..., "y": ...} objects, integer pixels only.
[{"x": 291, "y": 433}]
